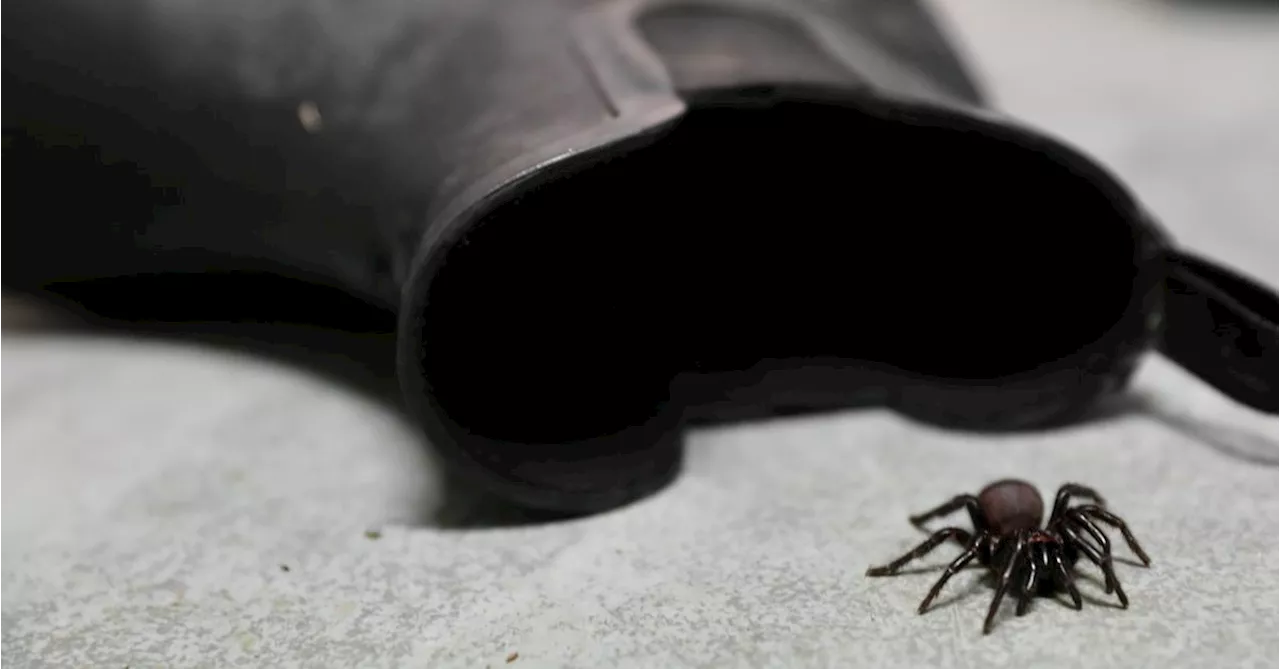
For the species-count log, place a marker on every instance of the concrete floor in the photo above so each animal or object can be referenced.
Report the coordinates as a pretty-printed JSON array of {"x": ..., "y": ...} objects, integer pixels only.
[{"x": 171, "y": 504}]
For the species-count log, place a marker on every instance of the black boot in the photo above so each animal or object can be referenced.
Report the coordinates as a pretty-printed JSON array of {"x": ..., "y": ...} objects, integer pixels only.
[{"x": 598, "y": 221}]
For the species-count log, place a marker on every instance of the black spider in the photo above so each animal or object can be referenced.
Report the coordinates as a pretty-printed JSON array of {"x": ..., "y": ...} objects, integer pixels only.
[{"x": 1008, "y": 539}]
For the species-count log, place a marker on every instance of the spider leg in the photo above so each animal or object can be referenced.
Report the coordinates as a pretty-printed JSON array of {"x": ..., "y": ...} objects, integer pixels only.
[
  {"x": 970, "y": 552},
  {"x": 1115, "y": 521},
  {"x": 1006, "y": 578},
  {"x": 1032, "y": 581},
  {"x": 1075, "y": 519},
  {"x": 1069, "y": 490},
  {"x": 1065, "y": 580},
  {"x": 920, "y": 551},
  {"x": 1103, "y": 562},
  {"x": 1072, "y": 532},
  {"x": 949, "y": 507}
]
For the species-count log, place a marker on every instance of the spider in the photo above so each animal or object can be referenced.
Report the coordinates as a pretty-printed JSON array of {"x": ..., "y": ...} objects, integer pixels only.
[{"x": 1008, "y": 539}]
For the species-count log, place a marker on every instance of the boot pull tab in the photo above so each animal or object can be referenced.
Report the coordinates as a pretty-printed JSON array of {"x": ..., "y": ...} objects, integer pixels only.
[{"x": 1221, "y": 326}]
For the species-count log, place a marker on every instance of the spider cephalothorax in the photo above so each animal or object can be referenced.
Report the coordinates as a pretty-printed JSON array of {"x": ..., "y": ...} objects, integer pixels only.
[{"x": 1027, "y": 558}]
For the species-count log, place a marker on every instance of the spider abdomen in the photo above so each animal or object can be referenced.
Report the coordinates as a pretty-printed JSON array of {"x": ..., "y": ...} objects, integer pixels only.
[{"x": 1011, "y": 506}]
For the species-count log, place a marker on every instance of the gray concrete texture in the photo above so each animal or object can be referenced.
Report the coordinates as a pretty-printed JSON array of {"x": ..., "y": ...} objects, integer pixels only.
[{"x": 156, "y": 492}]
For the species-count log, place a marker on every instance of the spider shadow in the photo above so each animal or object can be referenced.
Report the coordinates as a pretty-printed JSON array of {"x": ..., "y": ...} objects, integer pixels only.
[
  {"x": 1096, "y": 584},
  {"x": 1128, "y": 561}
]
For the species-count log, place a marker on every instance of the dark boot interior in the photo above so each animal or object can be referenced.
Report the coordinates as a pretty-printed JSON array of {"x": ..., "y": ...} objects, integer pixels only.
[{"x": 783, "y": 233}]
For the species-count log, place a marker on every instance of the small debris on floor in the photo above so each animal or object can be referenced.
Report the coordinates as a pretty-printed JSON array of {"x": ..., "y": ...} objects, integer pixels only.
[
  {"x": 284, "y": 567},
  {"x": 309, "y": 116},
  {"x": 372, "y": 535},
  {"x": 513, "y": 657}
]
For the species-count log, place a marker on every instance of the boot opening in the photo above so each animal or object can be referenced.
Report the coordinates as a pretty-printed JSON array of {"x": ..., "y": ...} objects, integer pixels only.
[{"x": 795, "y": 231}]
